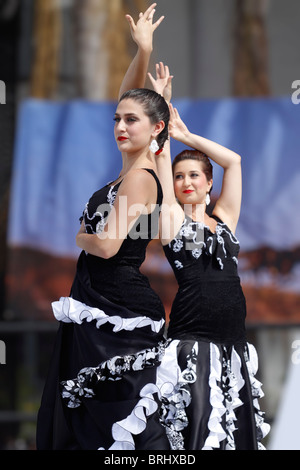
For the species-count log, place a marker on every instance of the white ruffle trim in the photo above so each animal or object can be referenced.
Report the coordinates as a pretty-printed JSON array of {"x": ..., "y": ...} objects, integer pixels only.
[
  {"x": 256, "y": 387},
  {"x": 69, "y": 310},
  {"x": 226, "y": 404},
  {"x": 216, "y": 434},
  {"x": 225, "y": 383},
  {"x": 221, "y": 404},
  {"x": 167, "y": 377}
]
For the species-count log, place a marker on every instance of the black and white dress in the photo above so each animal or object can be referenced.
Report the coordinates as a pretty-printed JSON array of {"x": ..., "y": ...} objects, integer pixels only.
[
  {"x": 215, "y": 404},
  {"x": 103, "y": 390}
]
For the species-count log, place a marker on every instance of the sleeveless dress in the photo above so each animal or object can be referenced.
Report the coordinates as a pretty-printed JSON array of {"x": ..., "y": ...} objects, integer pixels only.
[
  {"x": 215, "y": 402},
  {"x": 102, "y": 390}
]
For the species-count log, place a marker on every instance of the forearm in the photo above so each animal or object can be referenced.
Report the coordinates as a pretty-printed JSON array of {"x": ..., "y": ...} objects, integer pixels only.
[
  {"x": 142, "y": 34},
  {"x": 135, "y": 76},
  {"x": 93, "y": 245},
  {"x": 165, "y": 174},
  {"x": 216, "y": 152}
]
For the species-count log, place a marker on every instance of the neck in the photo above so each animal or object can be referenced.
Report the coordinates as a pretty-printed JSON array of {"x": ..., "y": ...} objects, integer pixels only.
[
  {"x": 196, "y": 211},
  {"x": 134, "y": 161}
]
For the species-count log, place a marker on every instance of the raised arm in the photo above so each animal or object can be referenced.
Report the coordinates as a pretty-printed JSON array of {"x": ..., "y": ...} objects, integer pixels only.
[
  {"x": 162, "y": 84},
  {"x": 171, "y": 214},
  {"x": 228, "y": 205},
  {"x": 142, "y": 34}
]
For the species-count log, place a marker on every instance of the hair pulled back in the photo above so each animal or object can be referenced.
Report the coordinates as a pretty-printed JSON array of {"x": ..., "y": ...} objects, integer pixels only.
[
  {"x": 201, "y": 157},
  {"x": 155, "y": 107}
]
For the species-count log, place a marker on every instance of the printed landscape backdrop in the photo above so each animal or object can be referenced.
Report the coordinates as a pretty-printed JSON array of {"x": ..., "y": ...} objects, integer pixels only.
[{"x": 65, "y": 151}]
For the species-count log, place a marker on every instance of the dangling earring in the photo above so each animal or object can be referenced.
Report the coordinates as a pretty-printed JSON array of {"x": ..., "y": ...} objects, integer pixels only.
[
  {"x": 207, "y": 199},
  {"x": 154, "y": 147}
]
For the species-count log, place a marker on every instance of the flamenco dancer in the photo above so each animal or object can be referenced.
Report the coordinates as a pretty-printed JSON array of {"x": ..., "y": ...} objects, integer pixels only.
[
  {"x": 101, "y": 390},
  {"x": 215, "y": 404}
]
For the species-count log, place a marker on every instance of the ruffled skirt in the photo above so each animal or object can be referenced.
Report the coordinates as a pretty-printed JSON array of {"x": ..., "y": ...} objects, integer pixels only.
[
  {"x": 178, "y": 394},
  {"x": 95, "y": 398},
  {"x": 99, "y": 392},
  {"x": 215, "y": 401},
  {"x": 116, "y": 383}
]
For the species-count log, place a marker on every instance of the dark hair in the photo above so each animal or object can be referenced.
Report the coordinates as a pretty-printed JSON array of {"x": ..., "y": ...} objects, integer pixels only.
[
  {"x": 155, "y": 107},
  {"x": 201, "y": 157}
]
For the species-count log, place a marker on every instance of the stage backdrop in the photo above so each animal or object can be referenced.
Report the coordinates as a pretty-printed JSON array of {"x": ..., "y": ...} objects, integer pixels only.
[{"x": 66, "y": 151}]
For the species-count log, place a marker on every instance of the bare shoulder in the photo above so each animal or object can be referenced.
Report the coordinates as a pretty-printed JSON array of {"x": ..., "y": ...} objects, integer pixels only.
[
  {"x": 140, "y": 184},
  {"x": 139, "y": 176}
]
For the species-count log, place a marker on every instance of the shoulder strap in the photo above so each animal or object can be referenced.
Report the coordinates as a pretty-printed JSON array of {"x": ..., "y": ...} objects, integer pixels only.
[
  {"x": 159, "y": 188},
  {"x": 217, "y": 218}
]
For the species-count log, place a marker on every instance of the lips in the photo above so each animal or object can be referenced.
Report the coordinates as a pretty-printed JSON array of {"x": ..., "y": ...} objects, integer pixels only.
[
  {"x": 121, "y": 139},
  {"x": 188, "y": 191}
]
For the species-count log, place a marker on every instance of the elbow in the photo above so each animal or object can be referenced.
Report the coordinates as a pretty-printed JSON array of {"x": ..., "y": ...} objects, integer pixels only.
[
  {"x": 106, "y": 251},
  {"x": 77, "y": 240},
  {"x": 238, "y": 159},
  {"x": 95, "y": 246},
  {"x": 235, "y": 161}
]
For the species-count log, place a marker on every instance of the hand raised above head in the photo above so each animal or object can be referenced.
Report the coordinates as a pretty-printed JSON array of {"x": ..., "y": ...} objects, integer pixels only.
[
  {"x": 142, "y": 31},
  {"x": 177, "y": 129},
  {"x": 163, "y": 82}
]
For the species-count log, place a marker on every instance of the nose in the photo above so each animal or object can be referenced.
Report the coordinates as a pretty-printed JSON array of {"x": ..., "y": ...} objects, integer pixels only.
[
  {"x": 186, "y": 181},
  {"x": 120, "y": 125}
]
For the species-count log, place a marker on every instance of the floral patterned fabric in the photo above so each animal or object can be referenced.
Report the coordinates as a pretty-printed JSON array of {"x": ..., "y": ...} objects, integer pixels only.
[{"x": 88, "y": 378}]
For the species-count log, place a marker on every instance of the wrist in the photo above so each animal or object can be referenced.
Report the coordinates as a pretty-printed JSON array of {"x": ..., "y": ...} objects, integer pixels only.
[
  {"x": 145, "y": 48},
  {"x": 186, "y": 137}
]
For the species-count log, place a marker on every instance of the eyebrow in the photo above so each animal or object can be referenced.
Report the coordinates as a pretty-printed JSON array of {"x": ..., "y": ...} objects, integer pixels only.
[
  {"x": 127, "y": 114},
  {"x": 189, "y": 171}
]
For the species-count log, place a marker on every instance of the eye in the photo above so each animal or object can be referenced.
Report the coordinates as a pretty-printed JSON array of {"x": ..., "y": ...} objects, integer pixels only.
[
  {"x": 116, "y": 119},
  {"x": 178, "y": 177},
  {"x": 194, "y": 175}
]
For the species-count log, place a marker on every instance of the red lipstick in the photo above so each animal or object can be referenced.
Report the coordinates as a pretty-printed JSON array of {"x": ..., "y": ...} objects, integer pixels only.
[
  {"x": 121, "y": 138},
  {"x": 188, "y": 191}
]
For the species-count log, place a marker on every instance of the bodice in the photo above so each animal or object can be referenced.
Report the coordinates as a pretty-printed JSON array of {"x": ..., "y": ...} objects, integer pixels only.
[
  {"x": 198, "y": 253},
  {"x": 133, "y": 248}
]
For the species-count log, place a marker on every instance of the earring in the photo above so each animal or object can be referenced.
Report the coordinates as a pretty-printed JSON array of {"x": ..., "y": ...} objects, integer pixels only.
[
  {"x": 207, "y": 199},
  {"x": 154, "y": 146}
]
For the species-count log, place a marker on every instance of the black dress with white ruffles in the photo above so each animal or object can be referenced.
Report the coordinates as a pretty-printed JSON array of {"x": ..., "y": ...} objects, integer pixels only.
[
  {"x": 215, "y": 404},
  {"x": 103, "y": 390}
]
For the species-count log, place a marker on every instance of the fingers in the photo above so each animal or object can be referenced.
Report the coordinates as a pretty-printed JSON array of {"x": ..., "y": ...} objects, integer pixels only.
[
  {"x": 149, "y": 17},
  {"x": 149, "y": 14},
  {"x": 149, "y": 11},
  {"x": 171, "y": 109},
  {"x": 157, "y": 23},
  {"x": 130, "y": 21},
  {"x": 162, "y": 71},
  {"x": 173, "y": 112},
  {"x": 152, "y": 80}
]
